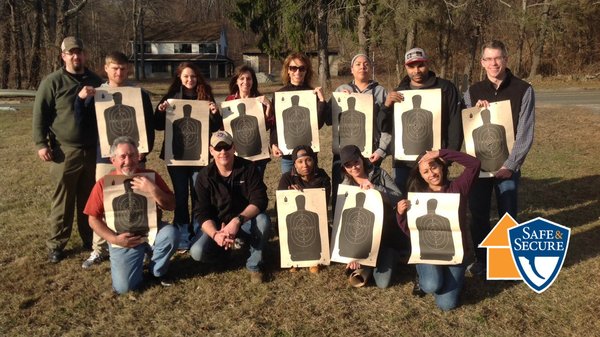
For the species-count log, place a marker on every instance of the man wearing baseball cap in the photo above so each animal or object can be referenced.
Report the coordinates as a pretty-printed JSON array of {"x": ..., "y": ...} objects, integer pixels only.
[
  {"x": 232, "y": 200},
  {"x": 67, "y": 145},
  {"x": 416, "y": 63}
]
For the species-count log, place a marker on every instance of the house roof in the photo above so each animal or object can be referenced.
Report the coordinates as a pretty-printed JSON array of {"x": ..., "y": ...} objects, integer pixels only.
[
  {"x": 184, "y": 32},
  {"x": 186, "y": 57}
]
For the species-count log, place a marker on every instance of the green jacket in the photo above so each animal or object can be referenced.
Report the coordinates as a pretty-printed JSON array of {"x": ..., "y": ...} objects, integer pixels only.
[{"x": 53, "y": 111}]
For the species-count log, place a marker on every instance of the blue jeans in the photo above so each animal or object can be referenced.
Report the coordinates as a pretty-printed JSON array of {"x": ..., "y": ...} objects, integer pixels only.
[
  {"x": 127, "y": 264},
  {"x": 386, "y": 264},
  {"x": 480, "y": 201},
  {"x": 401, "y": 178},
  {"x": 255, "y": 232},
  {"x": 444, "y": 282},
  {"x": 286, "y": 164},
  {"x": 183, "y": 179}
]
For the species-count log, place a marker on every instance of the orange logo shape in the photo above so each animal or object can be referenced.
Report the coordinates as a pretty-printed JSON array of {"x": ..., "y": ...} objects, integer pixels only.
[{"x": 500, "y": 263}]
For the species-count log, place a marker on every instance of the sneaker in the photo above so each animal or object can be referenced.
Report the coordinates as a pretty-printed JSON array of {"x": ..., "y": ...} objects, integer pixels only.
[
  {"x": 476, "y": 268},
  {"x": 55, "y": 256},
  {"x": 417, "y": 291},
  {"x": 94, "y": 258},
  {"x": 165, "y": 281},
  {"x": 256, "y": 277},
  {"x": 314, "y": 269}
]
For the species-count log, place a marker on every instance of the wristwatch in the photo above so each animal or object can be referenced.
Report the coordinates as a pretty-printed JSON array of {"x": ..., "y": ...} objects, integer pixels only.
[{"x": 241, "y": 218}]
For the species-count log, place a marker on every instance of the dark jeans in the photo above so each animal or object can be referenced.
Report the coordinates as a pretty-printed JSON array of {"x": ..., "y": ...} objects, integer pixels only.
[
  {"x": 480, "y": 201},
  {"x": 183, "y": 179}
]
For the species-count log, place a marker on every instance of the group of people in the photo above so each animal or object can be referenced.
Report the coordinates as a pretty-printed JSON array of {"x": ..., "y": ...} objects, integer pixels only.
[{"x": 229, "y": 197}]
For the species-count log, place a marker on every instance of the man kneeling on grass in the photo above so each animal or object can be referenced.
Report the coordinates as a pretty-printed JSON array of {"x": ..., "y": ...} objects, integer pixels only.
[
  {"x": 232, "y": 199},
  {"x": 127, "y": 250}
]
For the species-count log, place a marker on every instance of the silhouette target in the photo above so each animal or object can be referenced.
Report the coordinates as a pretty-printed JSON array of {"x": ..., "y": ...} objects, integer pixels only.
[
  {"x": 120, "y": 120},
  {"x": 131, "y": 211},
  {"x": 417, "y": 128},
  {"x": 356, "y": 235},
  {"x": 304, "y": 239},
  {"x": 296, "y": 124},
  {"x": 187, "y": 143},
  {"x": 490, "y": 143},
  {"x": 435, "y": 235},
  {"x": 246, "y": 135},
  {"x": 352, "y": 125}
]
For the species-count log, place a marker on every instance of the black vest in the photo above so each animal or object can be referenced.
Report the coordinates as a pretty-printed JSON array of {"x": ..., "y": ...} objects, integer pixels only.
[{"x": 511, "y": 88}]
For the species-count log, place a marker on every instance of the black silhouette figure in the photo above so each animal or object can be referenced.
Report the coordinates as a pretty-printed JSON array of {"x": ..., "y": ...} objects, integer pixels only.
[
  {"x": 187, "y": 141},
  {"x": 352, "y": 125},
  {"x": 296, "y": 125},
  {"x": 490, "y": 143},
  {"x": 356, "y": 235},
  {"x": 246, "y": 135},
  {"x": 120, "y": 120},
  {"x": 131, "y": 211},
  {"x": 304, "y": 238},
  {"x": 417, "y": 129},
  {"x": 435, "y": 235}
]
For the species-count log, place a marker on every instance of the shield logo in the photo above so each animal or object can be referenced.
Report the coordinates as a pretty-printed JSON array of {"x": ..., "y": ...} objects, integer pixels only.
[{"x": 539, "y": 248}]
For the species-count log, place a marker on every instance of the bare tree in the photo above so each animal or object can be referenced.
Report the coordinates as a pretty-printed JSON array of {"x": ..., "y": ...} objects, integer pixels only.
[
  {"x": 322, "y": 43},
  {"x": 541, "y": 38}
]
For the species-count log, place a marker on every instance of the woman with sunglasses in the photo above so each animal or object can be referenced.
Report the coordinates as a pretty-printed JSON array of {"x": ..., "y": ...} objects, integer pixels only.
[
  {"x": 359, "y": 171},
  {"x": 243, "y": 84},
  {"x": 188, "y": 84},
  {"x": 305, "y": 174},
  {"x": 431, "y": 175},
  {"x": 297, "y": 74}
]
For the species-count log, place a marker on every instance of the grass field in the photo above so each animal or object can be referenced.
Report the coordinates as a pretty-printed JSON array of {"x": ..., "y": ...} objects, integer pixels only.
[{"x": 560, "y": 182}]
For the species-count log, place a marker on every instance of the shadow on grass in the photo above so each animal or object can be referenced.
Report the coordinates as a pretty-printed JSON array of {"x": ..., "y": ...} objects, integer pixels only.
[{"x": 572, "y": 202}]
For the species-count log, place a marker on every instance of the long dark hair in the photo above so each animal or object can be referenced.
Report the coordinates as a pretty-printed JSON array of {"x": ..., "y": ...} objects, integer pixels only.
[
  {"x": 416, "y": 183},
  {"x": 233, "y": 87},
  {"x": 203, "y": 89}
]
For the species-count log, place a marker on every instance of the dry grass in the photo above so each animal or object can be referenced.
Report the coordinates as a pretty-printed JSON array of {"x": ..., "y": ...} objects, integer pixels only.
[{"x": 560, "y": 183}]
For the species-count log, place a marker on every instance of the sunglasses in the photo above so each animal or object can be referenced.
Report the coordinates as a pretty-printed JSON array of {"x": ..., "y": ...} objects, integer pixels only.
[
  {"x": 351, "y": 164},
  {"x": 220, "y": 147},
  {"x": 296, "y": 68}
]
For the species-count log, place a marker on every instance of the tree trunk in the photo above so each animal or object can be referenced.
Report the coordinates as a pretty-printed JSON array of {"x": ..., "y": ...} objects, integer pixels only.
[
  {"x": 4, "y": 76},
  {"x": 33, "y": 78},
  {"x": 444, "y": 46},
  {"x": 142, "y": 44},
  {"x": 17, "y": 44},
  {"x": 363, "y": 27},
  {"x": 521, "y": 39},
  {"x": 135, "y": 40},
  {"x": 323, "y": 35},
  {"x": 539, "y": 48}
]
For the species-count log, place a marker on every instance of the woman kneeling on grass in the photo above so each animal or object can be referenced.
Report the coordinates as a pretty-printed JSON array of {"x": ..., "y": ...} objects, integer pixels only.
[
  {"x": 305, "y": 174},
  {"x": 358, "y": 171},
  {"x": 431, "y": 175}
]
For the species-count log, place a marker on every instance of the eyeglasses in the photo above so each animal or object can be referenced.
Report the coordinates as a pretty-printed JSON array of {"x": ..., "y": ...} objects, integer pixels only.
[
  {"x": 490, "y": 59},
  {"x": 351, "y": 164},
  {"x": 296, "y": 68},
  {"x": 220, "y": 147}
]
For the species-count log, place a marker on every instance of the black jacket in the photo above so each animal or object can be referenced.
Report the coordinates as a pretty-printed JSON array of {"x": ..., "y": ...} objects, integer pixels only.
[
  {"x": 221, "y": 199},
  {"x": 452, "y": 134}
]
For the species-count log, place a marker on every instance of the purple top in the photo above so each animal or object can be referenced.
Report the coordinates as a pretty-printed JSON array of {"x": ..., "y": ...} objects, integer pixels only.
[{"x": 461, "y": 185}]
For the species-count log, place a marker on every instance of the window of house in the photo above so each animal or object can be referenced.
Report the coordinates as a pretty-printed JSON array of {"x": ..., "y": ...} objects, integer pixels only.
[
  {"x": 159, "y": 68},
  {"x": 207, "y": 48},
  {"x": 183, "y": 48}
]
